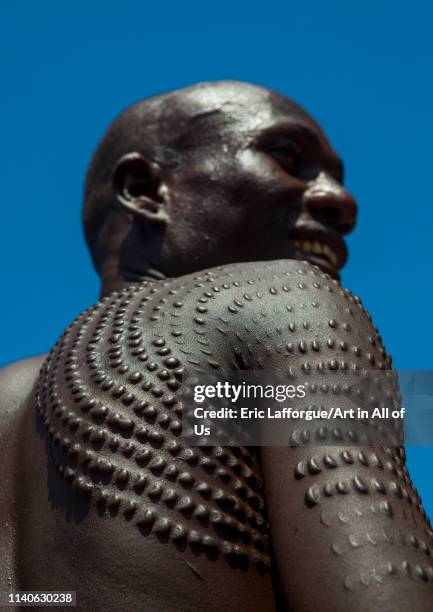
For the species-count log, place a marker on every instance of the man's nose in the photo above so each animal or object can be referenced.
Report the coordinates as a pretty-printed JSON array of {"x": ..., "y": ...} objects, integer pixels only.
[{"x": 330, "y": 203}]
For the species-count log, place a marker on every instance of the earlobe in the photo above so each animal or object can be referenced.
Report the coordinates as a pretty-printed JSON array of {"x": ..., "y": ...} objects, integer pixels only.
[{"x": 136, "y": 184}]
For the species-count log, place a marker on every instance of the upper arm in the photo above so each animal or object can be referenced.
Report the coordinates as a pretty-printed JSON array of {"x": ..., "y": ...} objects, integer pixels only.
[{"x": 347, "y": 527}]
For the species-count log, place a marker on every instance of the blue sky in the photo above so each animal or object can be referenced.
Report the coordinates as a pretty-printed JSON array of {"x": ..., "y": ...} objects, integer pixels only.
[{"x": 362, "y": 69}]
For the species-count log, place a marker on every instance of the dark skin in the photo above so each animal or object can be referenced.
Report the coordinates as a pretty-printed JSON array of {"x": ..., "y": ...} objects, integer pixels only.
[
  {"x": 217, "y": 174},
  {"x": 248, "y": 160}
]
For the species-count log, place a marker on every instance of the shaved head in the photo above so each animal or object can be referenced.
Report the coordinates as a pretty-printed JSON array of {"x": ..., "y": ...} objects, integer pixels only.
[
  {"x": 217, "y": 154},
  {"x": 164, "y": 128}
]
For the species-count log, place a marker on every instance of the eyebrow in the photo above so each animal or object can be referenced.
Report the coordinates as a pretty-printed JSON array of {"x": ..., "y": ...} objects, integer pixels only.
[
  {"x": 291, "y": 128},
  {"x": 288, "y": 127}
]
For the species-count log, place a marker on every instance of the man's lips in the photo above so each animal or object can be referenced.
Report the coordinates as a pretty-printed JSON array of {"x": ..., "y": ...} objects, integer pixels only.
[{"x": 323, "y": 247}]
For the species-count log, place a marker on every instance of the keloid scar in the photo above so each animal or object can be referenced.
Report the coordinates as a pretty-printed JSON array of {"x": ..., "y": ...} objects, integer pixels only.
[{"x": 109, "y": 398}]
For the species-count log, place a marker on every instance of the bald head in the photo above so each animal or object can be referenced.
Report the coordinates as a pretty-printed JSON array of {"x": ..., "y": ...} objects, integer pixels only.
[{"x": 197, "y": 151}]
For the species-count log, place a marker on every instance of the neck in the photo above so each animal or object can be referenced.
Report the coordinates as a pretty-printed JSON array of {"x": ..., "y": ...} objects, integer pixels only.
[
  {"x": 115, "y": 278},
  {"x": 125, "y": 254}
]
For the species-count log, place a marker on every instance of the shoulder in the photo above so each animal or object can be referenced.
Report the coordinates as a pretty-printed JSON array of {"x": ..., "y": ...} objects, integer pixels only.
[
  {"x": 299, "y": 287},
  {"x": 279, "y": 308},
  {"x": 267, "y": 293},
  {"x": 16, "y": 383}
]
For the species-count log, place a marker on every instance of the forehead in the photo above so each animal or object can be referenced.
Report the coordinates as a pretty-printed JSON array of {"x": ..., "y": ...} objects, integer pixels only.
[{"x": 240, "y": 112}]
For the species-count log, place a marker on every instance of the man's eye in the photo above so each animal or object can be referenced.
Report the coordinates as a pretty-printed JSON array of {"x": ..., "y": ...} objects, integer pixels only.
[{"x": 287, "y": 156}]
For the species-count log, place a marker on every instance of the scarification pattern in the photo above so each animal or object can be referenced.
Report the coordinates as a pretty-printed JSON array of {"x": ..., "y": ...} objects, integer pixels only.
[{"x": 109, "y": 397}]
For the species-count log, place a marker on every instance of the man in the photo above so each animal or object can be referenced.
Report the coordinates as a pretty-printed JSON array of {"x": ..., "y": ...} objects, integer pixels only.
[{"x": 100, "y": 492}]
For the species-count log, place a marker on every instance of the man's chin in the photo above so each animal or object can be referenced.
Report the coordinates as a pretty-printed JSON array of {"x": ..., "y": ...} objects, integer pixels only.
[{"x": 320, "y": 262}]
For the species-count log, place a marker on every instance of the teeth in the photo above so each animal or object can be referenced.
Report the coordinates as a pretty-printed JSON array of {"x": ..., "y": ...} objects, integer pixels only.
[
  {"x": 318, "y": 249},
  {"x": 330, "y": 253}
]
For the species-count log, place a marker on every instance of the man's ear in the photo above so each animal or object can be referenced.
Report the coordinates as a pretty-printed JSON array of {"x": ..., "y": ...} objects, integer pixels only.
[{"x": 136, "y": 184}]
